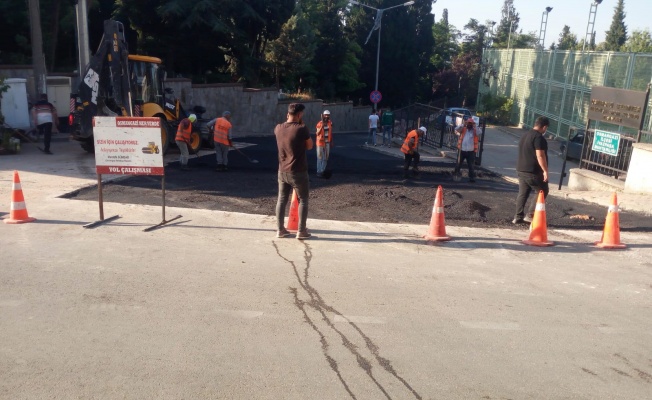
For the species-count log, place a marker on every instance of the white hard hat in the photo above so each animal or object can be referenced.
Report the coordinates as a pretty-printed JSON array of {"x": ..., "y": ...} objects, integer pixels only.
[
  {"x": 423, "y": 129},
  {"x": 326, "y": 112},
  {"x": 192, "y": 117}
]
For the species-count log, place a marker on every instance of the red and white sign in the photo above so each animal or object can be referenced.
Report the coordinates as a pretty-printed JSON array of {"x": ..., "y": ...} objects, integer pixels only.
[{"x": 128, "y": 146}]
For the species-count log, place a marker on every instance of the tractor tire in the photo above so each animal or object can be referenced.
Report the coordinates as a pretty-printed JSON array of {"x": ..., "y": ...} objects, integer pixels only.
[
  {"x": 195, "y": 142},
  {"x": 89, "y": 145}
]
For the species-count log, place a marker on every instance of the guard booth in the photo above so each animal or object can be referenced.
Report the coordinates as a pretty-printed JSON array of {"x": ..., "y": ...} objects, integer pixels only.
[{"x": 614, "y": 127}]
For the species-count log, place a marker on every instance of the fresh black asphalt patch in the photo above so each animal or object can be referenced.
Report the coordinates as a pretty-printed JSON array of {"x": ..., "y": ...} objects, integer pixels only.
[{"x": 366, "y": 186}]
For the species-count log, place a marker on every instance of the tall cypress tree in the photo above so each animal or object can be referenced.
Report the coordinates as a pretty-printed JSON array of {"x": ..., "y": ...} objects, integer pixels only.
[
  {"x": 508, "y": 23},
  {"x": 617, "y": 33}
]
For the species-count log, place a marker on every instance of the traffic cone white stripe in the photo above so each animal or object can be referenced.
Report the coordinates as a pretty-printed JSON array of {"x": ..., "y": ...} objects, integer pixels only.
[
  {"x": 18, "y": 205},
  {"x": 540, "y": 207},
  {"x": 613, "y": 209},
  {"x": 439, "y": 210},
  {"x": 16, "y": 186}
]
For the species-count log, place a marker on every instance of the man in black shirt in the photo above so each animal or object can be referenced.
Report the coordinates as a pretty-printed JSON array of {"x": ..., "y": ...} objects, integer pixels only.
[
  {"x": 293, "y": 140},
  {"x": 532, "y": 168}
]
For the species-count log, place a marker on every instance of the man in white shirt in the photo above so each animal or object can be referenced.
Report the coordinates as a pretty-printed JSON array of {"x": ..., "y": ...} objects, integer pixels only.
[
  {"x": 373, "y": 127},
  {"x": 467, "y": 145}
]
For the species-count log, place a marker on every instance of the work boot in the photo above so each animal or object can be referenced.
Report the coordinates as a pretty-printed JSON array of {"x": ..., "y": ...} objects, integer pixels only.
[
  {"x": 527, "y": 219},
  {"x": 281, "y": 233},
  {"x": 303, "y": 234},
  {"x": 220, "y": 168}
]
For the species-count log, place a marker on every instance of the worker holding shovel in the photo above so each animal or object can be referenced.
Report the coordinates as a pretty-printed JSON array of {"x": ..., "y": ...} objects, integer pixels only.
[{"x": 467, "y": 146}]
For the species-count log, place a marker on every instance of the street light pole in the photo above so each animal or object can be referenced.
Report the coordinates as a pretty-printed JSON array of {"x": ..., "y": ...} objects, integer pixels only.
[{"x": 378, "y": 25}]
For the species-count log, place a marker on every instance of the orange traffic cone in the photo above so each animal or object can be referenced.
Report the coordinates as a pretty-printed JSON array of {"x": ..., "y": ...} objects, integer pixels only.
[
  {"x": 539, "y": 227},
  {"x": 18, "y": 214},
  {"x": 437, "y": 230},
  {"x": 611, "y": 233},
  {"x": 293, "y": 218}
]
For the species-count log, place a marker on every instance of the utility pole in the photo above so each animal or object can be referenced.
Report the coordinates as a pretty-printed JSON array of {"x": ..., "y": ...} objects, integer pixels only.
[
  {"x": 38, "y": 59},
  {"x": 81, "y": 8}
]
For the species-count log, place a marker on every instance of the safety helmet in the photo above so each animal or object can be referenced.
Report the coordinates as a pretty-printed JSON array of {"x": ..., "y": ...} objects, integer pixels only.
[
  {"x": 423, "y": 129},
  {"x": 226, "y": 114},
  {"x": 470, "y": 120},
  {"x": 192, "y": 117},
  {"x": 326, "y": 112}
]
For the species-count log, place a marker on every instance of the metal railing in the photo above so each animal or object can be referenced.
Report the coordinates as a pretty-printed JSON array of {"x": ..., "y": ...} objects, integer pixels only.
[
  {"x": 610, "y": 165},
  {"x": 441, "y": 133}
]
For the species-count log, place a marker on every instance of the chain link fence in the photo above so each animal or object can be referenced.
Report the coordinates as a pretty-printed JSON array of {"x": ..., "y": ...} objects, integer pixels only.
[{"x": 557, "y": 84}]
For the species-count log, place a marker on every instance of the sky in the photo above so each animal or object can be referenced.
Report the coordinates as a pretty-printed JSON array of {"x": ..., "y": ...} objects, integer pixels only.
[{"x": 574, "y": 13}]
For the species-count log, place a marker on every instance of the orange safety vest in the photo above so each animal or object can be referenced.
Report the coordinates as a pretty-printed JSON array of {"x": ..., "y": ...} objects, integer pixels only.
[
  {"x": 320, "y": 133},
  {"x": 475, "y": 139},
  {"x": 221, "y": 131},
  {"x": 183, "y": 135},
  {"x": 406, "y": 143}
]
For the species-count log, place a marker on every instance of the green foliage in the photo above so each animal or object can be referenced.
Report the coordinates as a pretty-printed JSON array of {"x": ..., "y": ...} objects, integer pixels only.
[
  {"x": 639, "y": 42},
  {"x": 445, "y": 45},
  {"x": 292, "y": 53},
  {"x": 567, "y": 40},
  {"x": 617, "y": 33},
  {"x": 496, "y": 109},
  {"x": 508, "y": 23}
]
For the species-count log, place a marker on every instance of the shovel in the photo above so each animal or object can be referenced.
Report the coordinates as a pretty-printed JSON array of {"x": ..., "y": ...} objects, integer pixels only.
[
  {"x": 251, "y": 160},
  {"x": 457, "y": 176}
]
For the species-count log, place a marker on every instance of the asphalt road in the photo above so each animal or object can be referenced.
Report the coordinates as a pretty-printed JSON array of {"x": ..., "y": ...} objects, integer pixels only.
[{"x": 366, "y": 186}]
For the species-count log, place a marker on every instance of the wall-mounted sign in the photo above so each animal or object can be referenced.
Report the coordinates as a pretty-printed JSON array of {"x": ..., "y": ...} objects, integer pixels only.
[
  {"x": 617, "y": 106},
  {"x": 606, "y": 142}
]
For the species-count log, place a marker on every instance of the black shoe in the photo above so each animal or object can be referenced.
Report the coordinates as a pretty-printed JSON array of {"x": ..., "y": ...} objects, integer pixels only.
[
  {"x": 185, "y": 168},
  {"x": 517, "y": 221},
  {"x": 47, "y": 152}
]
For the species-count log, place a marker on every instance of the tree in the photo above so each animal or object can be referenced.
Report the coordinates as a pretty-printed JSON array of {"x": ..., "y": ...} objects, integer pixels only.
[
  {"x": 475, "y": 41},
  {"x": 567, "y": 40},
  {"x": 617, "y": 33},
  {"x": 639, "y": 42},
  {"x": 445, "y": 46},
  {"x": 293, "y": 51},
  {"x": 508, "y": 23}
]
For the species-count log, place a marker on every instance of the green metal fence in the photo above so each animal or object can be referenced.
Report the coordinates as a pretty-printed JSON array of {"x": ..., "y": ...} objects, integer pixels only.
[{"x": 557, "y": 84}]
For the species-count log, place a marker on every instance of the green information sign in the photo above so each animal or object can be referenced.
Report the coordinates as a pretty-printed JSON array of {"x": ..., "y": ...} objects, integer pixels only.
[{"x": 606, "y": 142}]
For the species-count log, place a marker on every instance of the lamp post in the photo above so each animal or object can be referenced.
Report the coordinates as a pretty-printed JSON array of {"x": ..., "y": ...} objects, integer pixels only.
[
  {"x": 378, "y": 25},
  {"x": 544, "y": 27}
]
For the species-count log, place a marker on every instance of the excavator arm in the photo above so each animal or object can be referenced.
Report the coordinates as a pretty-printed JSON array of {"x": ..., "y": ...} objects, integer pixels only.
[{"x": 106, "y": 85}]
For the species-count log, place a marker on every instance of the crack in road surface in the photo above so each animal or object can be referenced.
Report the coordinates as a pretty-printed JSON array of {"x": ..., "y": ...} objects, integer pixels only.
[{"x": 318, "y": 304}]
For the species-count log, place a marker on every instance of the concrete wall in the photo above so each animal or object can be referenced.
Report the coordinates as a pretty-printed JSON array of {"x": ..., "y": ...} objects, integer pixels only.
[
  {"x": 257, "y": 111},
  {"x": 639, "y": 179},
  {"x": 583, "y": 180}
]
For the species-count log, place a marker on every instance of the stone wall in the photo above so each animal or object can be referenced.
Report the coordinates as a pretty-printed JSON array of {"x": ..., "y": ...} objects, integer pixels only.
[{"x": 257, "y": 111}]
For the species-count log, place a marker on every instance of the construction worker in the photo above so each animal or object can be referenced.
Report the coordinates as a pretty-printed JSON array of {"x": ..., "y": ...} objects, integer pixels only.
[
  {"x": 44, "y": 117},
  {"x": 222, "y": 139},
  {"x": 324, "y": 141},
  {"x": 467, "y": 146},
  {"x": 183, "y": 139},
  {"x": 411, "y": 150}
]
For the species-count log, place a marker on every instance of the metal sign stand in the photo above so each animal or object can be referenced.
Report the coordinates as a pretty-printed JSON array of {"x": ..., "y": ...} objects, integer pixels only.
[
  {"x": 101, "y": 221},
  {"x": 163, "y": 222}
]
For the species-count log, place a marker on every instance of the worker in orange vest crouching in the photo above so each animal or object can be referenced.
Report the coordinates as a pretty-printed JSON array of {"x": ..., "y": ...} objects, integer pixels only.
[
  {"x": 411, "y": 150},
  {"x": 222, "y": 139},
  {"x": 183, "y": 139}
]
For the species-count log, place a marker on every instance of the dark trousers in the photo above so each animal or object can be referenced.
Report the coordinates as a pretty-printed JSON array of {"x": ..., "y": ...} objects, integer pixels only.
[
  {"x": 408, "y": 159},
  {"x": 46, "y": 130},
  {"x": 526, "y": 184},
  {"x": 286, "y": 182},
  {"x": 469, "y": 156}
]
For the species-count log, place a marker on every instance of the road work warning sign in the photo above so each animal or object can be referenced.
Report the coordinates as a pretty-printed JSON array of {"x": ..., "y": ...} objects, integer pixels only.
[{"x": 128, "y": 146}]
